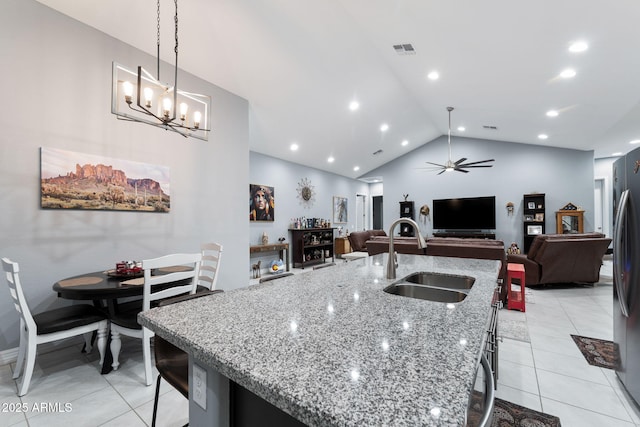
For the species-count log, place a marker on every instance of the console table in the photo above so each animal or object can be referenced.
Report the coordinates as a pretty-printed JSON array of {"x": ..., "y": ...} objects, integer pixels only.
[
  {"x": 311, "y": 245},
  {"x": 282, "y": 248}
]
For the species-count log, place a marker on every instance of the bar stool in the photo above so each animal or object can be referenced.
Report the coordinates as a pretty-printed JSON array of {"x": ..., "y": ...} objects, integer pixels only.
[{"x": 515, "y": 296}]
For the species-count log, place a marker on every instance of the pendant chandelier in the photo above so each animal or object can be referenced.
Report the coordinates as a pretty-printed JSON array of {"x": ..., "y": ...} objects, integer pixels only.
[{"x": 139, "y": 97}]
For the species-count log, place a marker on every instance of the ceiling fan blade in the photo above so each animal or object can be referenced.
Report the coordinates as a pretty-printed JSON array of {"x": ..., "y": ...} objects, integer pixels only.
[
  {"x": 460, "y": 161},
  {"x": 461, "y": 170},
  {"x": 435, "y": 164},
  {"x": 476, "y": 163},
  {"x": 476, "y": 166},
  {"x": 441, "y": 172}
]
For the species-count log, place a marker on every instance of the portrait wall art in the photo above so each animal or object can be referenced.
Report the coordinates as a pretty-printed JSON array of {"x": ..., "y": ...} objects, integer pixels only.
[
  {"x": 71, "y": 180},
  {"x": 340, "y": 210},
  {"x": 261, "y": 202}
]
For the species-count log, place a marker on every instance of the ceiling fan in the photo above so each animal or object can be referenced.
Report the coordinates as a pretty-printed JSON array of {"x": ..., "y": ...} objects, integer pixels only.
[{"x": 459, "y": 165}]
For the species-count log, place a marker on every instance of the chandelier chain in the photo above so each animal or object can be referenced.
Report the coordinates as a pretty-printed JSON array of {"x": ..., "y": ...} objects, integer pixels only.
[
  {"x": 176, "y": 24},
  {"x": 158, "y": 40}
]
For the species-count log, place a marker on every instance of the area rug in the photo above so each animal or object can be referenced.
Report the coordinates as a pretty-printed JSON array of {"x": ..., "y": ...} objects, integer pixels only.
[
  {"x": 601, "y": 353},
  {"x": 513, "y": 329},
  {"x": 507, "y": 414}
]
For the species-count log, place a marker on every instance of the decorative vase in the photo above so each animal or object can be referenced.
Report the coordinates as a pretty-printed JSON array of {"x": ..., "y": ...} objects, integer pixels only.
[{"x": 265, "y": 238}]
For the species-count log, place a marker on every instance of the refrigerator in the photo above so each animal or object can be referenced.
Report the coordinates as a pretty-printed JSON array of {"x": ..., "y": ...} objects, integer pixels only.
[{"x": 626, "y": 270}]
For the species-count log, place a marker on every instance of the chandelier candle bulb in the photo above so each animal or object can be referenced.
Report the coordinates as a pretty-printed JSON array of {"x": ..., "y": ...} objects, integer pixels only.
[
  {"x": 166, "y": 107},
  {"x": 127, "y": 87},
  {"x": 148, "y": 96},
  {"x": 183, "y": 111},
  {"x": 196, "y": 119}
]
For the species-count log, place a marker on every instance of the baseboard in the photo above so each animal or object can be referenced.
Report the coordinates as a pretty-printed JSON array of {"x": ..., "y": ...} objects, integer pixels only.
[
  {"x": 11, "y": 355},
  {"x": 8, "y": 356}
]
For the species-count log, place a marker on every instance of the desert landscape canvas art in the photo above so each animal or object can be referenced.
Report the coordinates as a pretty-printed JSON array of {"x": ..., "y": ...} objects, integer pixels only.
[{"x": 71, "y": 180}]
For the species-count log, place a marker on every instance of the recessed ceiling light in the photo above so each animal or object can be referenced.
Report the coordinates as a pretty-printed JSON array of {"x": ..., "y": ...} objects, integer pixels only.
[
  {"x": 356, "y": 168},
  {"x": 434, "y": 75},
  {"x": 293, "y": 147},
  {"x": 384, "y": 127},
  {"x": 461, "y": 128},
  {"x": 579, "y": 46},
  {"x": 635, "y": 141},
  {"x": 543, "y": 136},
  {"x": 617, "y": 153},
  {"x": 552, "y": 113},
  {"x": 331, "y": 159},
  {"x": 405, "y": 143},
  {"x": 568, "y": 73},
  {"x": 354, "y": 105}
]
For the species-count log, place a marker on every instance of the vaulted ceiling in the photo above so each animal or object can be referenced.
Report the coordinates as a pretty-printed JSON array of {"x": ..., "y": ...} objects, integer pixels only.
[{"x": 301, "y": 64}]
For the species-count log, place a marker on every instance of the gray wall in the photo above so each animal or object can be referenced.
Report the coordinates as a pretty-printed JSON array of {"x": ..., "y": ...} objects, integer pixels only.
[
  {"x": 284, "y": 177},
  {"x": 56, "y": 86},
  {"x": 563, "y": 175}
]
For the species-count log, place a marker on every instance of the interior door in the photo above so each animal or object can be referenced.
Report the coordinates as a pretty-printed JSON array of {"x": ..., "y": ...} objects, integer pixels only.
[{"x": 361, "y": 212}]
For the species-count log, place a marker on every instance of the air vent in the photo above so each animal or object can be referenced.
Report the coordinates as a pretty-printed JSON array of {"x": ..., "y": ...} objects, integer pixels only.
[
  {"x": 377, "y": 152},
  {"x": 490, "y": 127},
  {"x": 404, "y": 49}
]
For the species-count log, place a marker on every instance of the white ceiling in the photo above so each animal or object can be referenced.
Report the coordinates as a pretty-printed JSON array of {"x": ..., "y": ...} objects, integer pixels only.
[{"x": 300, "y": 63}]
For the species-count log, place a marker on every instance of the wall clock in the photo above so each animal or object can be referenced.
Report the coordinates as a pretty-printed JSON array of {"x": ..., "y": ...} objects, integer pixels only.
[{"x": 306, "y": 193}]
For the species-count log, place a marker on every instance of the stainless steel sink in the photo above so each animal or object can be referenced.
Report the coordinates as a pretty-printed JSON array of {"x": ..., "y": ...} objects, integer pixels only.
[
  {"x": 429, "y": 293},
  {"x": 439, "y": 280}
]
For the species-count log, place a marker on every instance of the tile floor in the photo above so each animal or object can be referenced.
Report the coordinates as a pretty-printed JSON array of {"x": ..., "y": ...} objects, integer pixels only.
[{"x": 548, "y": 374}]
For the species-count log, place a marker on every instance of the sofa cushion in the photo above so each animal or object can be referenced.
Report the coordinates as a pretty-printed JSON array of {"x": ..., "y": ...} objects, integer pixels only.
[{"x": 539, "y": 240}]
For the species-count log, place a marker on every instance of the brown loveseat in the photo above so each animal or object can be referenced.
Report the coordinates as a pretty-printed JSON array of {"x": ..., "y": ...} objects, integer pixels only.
[{"x": 563, "y": 258}]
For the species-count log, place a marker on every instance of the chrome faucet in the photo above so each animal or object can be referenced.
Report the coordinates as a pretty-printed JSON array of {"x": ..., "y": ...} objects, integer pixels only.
[{"x": 392, "y": 262}]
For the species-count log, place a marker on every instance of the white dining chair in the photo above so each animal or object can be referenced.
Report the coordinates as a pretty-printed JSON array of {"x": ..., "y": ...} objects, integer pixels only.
[
  {"x": 210, "y": 265},
  {"x": 48, "y": 326},
  {"x": 170, "y": 268}
]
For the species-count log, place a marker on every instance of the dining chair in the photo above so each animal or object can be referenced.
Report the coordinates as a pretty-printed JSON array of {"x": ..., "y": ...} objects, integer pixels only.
[
  {"x": 172, "y": 363},
  {"x": 209, "y": 266},
  {"x": 183, "y": 268},
  {"x": 48, "y": 326}
]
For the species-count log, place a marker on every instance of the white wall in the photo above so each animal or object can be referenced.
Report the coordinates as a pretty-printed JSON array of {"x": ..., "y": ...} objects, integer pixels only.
[
  {"x": 563, "y": 175},
  {"x": 56, "y": 86},
  {"x": 284, "y": 177}
]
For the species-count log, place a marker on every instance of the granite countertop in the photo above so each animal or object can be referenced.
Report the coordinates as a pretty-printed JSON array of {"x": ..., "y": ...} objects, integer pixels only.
[{"x": 331, "y": 348}]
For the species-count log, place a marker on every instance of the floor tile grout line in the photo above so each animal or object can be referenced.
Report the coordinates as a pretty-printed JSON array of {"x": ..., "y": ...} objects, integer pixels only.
[{"x": 590, "y": 410}]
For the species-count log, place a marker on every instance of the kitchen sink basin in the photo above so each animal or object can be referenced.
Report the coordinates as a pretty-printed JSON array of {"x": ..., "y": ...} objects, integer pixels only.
[
  {"x": 429, "y": 293},
  {"x": 439, "y": 280}
]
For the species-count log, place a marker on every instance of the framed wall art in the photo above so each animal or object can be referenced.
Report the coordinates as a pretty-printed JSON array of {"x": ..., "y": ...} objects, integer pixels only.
[
  {"x": 261, "y": 202},
  {"x": 71, "y": 180},
  {"x": 340, "y": 210}
]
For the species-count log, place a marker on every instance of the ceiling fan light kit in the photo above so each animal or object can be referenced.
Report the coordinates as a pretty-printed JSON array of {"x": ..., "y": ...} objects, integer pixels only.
[{"x": 458, "y": 165}]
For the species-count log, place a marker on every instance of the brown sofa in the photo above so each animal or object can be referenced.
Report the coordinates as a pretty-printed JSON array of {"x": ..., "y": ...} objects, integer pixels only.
[
  {"x": 358, "y": 239},
  {"x": 563, "y": 258}
]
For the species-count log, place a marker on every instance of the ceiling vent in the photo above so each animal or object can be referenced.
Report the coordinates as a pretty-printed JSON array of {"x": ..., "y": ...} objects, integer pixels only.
[
  {"x": 375, "y": 153},
  {"x": 404, "y": 49},
  {"x": 490, "y": 127}
]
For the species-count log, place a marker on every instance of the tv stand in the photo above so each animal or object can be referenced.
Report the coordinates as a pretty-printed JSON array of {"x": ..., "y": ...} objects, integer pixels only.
[{"x": 465, "y": 234}]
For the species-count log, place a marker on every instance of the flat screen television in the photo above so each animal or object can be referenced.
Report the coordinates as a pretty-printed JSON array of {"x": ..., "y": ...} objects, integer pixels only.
[{"x": 465, "y": 214}]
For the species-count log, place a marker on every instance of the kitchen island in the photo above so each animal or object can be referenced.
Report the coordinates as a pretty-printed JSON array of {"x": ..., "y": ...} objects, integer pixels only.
[{"x": 331, "y": 348}]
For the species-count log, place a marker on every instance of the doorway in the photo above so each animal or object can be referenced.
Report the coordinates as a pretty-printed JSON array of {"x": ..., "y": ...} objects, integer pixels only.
[
  {"x": 361, "y": 212},
  {"x": 377, "y": 213},
  {"x": 601, "y": 207}
]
